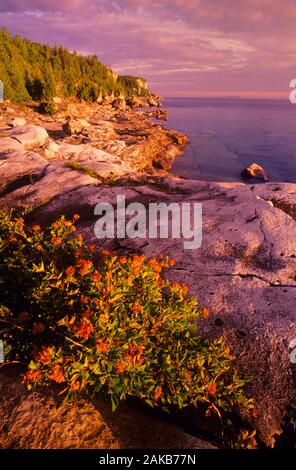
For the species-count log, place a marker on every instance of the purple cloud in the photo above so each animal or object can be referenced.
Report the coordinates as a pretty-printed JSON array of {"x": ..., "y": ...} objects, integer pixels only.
[{"x": 181, "y": 46}]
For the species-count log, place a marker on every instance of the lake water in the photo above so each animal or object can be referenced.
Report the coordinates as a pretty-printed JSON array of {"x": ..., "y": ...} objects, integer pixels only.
[{"x": 226, "y": 135}]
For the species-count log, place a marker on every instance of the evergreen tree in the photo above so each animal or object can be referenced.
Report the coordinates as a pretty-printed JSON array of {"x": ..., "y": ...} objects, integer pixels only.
[{"x": 32, "y": 71}]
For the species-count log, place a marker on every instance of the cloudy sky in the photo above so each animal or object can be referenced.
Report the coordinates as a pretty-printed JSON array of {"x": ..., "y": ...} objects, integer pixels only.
[{"x": 183, "y": 47}]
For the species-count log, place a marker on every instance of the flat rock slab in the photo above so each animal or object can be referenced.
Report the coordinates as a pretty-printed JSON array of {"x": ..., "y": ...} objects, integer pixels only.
[
  {"x": 7, "y": 144},
  {"x": 18, "y": 168},
  {"x": 244, "y": 272},
  {"x": 41, "y": 420},
  {"x": 57, "y": 180}
]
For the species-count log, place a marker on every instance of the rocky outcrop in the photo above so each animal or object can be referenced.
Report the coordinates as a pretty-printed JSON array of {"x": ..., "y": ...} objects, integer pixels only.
[
  {"x": 244, "y": 272},
  {"x": 142, "y": 84},
  {"x": 18, "y": 168},
  {"x": 93, "y": 150},
  {"x": 151, "y": 101},
  {"x": 159, "y": 114},
  {"x": 281, "y": 196},
  {"x": 41, "y": 420}
]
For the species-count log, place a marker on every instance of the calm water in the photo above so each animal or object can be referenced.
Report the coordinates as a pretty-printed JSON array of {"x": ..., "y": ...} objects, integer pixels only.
[{"x": 226, "y": 135}]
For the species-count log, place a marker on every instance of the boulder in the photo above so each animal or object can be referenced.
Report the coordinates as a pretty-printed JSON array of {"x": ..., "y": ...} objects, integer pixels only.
[
  {"x": 103, "y": 163},
  {"x": 161, "y": 114},
  {"x": 152, "y": 102},
  {"x": 57, "y": 100},
  {"x": 133, "y": 102},
  {"x": 30, "y": 136},
  {"x": 108, "y": 99},
  {"x": 75, "y": 126},
  {"x": 119, "y": 103},
  {"x": 17, "y": 122},
  {"x": 254, "y": 171},
  {"x": 180, "y": 139},
  {"x": 100, "y": 98},
  {"x": 52, "y": 150},
  {"x": 38, "y": 420},
  {"x": 144, "y": 104}
]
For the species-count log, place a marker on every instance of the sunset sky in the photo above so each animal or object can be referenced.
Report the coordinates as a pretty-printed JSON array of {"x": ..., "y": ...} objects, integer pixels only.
[{"x": 183, "y": 47}]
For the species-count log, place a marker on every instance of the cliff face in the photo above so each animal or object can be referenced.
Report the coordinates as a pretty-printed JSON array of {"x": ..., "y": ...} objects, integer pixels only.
[{"x": 142, "y": 84}]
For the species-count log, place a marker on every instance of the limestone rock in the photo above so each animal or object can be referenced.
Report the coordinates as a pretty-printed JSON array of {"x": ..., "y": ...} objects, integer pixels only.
[
  {"x": 141, "y": 84},
  {"x": 180, "y": 139},
  {"x": 282, "y": 196},
  {"x": 17, "y": 122},
  {"x": 57, "y": 100},
  {"x": 254, "y": 171},
  {"x": 37, "y": 420},
  {"x": 144, "y": 104},
  {"x": 108, "y": 99},
  {"x": 133, "y": 102},
  {"x": 115, "y": 147},
  {"x": 119, "y": 103},
  {"x": 75, "y": 126},
  {"x": 244, "y": 273},
  {"x": 30, "y": 136},
  {"x": 56, "y": 180},
  {"x": 159, "y": 114},
  {"x": 7, "y": 143},
  {"x": 19, "y": 168},
  {"x": 52, "y": 150},
  {"x": 152, "y": 102}
]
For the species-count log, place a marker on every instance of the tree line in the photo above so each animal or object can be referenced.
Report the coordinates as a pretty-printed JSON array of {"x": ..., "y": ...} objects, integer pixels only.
[{"x": 32, "y": 71}]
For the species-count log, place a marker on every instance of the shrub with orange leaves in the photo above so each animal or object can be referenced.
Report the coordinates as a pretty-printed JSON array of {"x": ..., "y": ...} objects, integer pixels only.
[{"x": 115, "y": 327}]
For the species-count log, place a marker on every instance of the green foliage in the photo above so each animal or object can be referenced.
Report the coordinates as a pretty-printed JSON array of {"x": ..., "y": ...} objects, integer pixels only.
[
  {"x": 131, "y": 85},
  {"x": 106, "y": 324},
  {"x": 88, "y": 171},
  {"x": 32, "y": 71},
  {"x": 46, "y": 107}
]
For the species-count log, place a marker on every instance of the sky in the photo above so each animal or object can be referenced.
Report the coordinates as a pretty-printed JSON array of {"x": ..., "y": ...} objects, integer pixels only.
[{"x": 182, "y": 47}]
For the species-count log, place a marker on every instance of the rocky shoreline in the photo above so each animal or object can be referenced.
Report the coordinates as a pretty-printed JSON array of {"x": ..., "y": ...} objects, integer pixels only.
[{"x": 244, "y": 271}]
